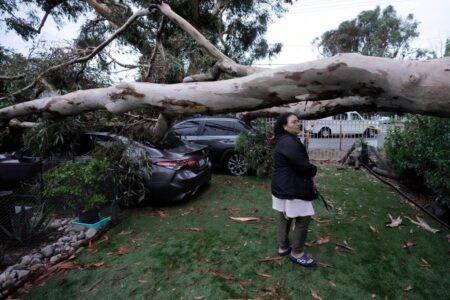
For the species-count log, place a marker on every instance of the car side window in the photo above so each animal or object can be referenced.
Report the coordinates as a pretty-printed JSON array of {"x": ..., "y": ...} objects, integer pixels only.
[
  {"x": 340, "y": 117},
  {"x": 240, "y": 127},
  {"x": 216, "y": 127},
  {"x": 187, "y": 128}
]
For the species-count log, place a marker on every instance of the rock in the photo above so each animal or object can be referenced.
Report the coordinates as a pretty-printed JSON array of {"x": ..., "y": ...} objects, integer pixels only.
[
  {"x": 36, "y": 267},
  {"x": 12, "y": 268},
  {"x": 38, "y": 255},
  {"x": 2, "y": 277},
  {"x": 55, "y": 258},
  {"x": 74, "y": 238},
  {"x": 90, "y": 233},
  {"x": 8, "y": 270},
  {"x": 13, "y": 274},
  {"x": 47, "y": 251},
  {"x": 58, "y": 244},
  {"x": 22, "y": 273},
  {"x": 36, "y": 260},
  {"x": 26, "y": 259},
  {"x": 64, "y": 239},
  {"x": 55, "y": 224},
  {"x": 81, "y": 236},
  {"x": 20, "y": 266},
  {"x": 78, "y": 243}
]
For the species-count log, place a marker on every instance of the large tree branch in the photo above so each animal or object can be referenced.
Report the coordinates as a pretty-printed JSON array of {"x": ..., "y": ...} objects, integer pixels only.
[
  {"x": 381, "y": 84},
  {"x": 158, "y": 47},
  {"x": 124, "y": 65},
  {"x": 26, "y": 25},
  {"x": 313, "y": 109},
  {"x": 12, "y": 77},
  {"x": 44, "y": 19},
  {"x": 224, "y": 63},
  {"x": 104, "y": 10},
  {"x": 117, "y": 14},
  {"x": 53, "y": 90},
  {"x": 219, "y": 7}
]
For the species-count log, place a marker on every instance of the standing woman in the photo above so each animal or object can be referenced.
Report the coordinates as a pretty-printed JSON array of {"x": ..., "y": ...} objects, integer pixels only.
[{"x": 293, "y": 189}]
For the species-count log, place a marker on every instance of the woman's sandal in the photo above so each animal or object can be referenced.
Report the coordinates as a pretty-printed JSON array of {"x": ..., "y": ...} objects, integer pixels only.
[
  {"x": 303, "y": 260},
  {"x": 286, "y": 252}
]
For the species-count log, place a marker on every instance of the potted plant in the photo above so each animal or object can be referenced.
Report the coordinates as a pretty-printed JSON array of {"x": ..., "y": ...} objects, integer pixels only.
[{"x": 89, "y": 212}]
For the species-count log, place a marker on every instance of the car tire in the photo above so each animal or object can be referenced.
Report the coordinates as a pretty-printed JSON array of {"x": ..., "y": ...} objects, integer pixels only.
[
  {"x": 325, "y": 132},
  {"x": 235, "y": 164},
  {"x": 369, "y": 133}
]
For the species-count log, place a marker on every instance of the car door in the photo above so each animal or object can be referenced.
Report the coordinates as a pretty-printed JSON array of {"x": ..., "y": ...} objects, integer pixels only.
[{"x": 219, "y": 136}]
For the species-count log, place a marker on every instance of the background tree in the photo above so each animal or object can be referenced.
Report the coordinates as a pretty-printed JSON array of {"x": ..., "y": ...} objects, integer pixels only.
[
  {"x": 374, "y": 33},
  {"x": 447, "y": 48}
]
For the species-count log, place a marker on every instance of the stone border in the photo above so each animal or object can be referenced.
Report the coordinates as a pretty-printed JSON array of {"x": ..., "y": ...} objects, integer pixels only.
[{"x": 38, "y": 262}]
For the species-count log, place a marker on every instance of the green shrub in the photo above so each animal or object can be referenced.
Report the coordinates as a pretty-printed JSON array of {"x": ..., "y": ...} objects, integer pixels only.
[
  {"x": 257, "y": 148},
  {"x": 54, "y": 137},
  {"x": 128, "y": 177},
  {"x": 84, "y": 182},
  {"x": 420, "y": 153}
]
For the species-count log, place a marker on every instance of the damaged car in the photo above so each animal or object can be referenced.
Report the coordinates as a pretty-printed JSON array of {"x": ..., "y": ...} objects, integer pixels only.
[{"x": 176, "y": 169}]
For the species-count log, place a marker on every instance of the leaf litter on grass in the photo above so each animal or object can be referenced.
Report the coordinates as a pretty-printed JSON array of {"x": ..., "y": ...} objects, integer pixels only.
[
  {"x": 422, "y": 224},
  {"x": 394, "y": 222},
  {"x": 245, "y": 219}
]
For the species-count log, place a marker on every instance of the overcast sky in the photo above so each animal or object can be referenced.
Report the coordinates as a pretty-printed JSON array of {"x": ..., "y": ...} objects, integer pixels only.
[
  {"x": 308, "y": 19},
  {"x": 305, "y": 20}
]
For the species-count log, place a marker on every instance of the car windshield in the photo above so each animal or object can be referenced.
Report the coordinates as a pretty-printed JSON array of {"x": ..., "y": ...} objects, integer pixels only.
[{"x": 171, "y": 140}]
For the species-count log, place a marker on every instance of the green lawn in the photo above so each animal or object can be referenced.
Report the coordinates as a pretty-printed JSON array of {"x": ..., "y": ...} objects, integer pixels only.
[{"x": 222, "y": 260}]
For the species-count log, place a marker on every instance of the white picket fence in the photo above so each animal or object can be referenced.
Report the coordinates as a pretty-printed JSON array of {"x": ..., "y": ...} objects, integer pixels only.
[{"x": 331, "y": 139}]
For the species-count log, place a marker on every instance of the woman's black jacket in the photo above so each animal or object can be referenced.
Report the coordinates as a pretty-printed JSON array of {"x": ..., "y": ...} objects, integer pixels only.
[{"x": 292, "y": 171}]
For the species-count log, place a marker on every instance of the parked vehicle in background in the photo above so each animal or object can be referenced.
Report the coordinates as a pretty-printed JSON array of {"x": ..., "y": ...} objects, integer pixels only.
[
  {"x": 349, "y": 123},
  {"x": 177, "y": 169},
  {"x": 219, "y": 134}
]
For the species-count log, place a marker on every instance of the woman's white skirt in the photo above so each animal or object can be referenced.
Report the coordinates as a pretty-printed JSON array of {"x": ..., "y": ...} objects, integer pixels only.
[{"x": 293, "y": 208}]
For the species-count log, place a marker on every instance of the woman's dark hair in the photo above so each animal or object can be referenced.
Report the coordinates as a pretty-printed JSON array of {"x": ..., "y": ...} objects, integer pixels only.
[{"x": 282, "y": 120}]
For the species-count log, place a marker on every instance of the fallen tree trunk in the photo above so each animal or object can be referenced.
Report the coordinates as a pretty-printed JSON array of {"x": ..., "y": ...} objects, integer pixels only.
[{"x": 352, "y": 81}]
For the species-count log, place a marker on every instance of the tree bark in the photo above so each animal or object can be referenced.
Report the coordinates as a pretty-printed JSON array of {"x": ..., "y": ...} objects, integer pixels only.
[{"x": 379, "y": 84}]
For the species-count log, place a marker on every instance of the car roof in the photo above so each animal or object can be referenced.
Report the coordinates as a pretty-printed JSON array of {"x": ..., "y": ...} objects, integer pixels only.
[{"x": 211, "y": 118}]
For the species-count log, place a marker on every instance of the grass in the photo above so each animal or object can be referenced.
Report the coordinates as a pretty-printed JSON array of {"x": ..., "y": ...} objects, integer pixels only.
[{"x": 222, "y": 261}]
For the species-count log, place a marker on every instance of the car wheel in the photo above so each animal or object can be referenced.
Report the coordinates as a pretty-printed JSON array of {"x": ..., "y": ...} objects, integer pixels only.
[
  {"x": 235, "y": 164},
  {"x": 325, "y": 132},
  {"x": 370, "y": 133}
]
